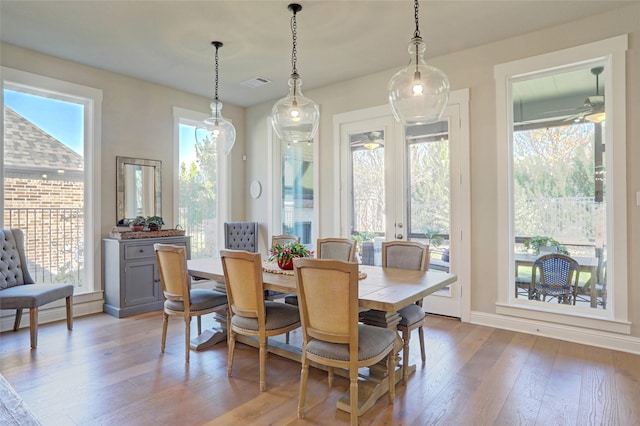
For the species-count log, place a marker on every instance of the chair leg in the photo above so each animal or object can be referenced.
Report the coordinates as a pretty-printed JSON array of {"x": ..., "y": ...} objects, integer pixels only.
[
  {"x": 422, "y": 352},
  {"x": 287, "y": 338},
  {"x": 231, "y": 342},
  {"x": 69, "y": 313},
  {"x": 33, "y": 326},
  {"x": 263, "y": 366},
  {"x": 353, "y": 395},
  {"x": 165, "y": 322},
  {"x": 199, "y": 319},
  {"x": 330, "y": 375},
  {"x": 16, "y": 323},
  {"x": 406, "y": 336},
  {"x": 187, "y": 338},
  {"x": 392, "y": 376},
  {"x": 304, "y": 374}
]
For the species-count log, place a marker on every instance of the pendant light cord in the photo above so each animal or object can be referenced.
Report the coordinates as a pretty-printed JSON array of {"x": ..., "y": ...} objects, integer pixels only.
[{"x": 216, "y": 97}]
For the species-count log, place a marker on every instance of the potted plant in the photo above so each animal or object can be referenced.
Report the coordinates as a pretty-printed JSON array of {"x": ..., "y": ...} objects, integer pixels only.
[
  {"x": 285, "y": 253},
  {"x": 533, "y": 244},
  {"x": 155, "y": 223},
  {"x": 137, "y": 223}
]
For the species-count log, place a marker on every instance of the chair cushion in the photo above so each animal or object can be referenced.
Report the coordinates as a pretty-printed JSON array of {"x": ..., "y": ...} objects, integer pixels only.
[
  {"x": 33, "y": 295},
  {"x": 411, "y": 315},
  {"x": 278, "y": 315},
  {"x": 201, "y": 300},
  {"x": 10, "y": 265},
  {"x": 371, "y": 342},
  {"x": 291, "y": 299}
]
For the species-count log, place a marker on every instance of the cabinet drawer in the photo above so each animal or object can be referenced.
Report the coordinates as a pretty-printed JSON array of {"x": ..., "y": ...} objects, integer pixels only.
[{"x": 140, "y": 251}]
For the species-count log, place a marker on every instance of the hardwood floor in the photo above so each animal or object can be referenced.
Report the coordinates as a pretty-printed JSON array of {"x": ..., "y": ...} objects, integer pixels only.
[{"x": 110, "y": 371}]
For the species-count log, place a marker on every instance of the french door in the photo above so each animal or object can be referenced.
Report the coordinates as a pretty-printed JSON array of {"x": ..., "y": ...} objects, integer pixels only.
[{"x": 406, "y": 184}]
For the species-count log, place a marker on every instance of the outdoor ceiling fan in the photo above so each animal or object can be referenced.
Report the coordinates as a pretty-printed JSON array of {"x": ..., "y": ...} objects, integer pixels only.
[
  {"x": 368, "y": 140},
  {"x": 593, "y": 108}
]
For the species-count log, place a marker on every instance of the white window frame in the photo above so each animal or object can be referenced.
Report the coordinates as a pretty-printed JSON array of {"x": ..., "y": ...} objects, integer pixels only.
[
  {"x": 192, "y": 118},
  {"x": 615, "y": 317},
  {"x": 91, "y": 99}
]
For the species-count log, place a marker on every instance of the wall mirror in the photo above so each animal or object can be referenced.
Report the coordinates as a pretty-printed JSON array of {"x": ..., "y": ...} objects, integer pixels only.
[{"x": 138, "y": 188}]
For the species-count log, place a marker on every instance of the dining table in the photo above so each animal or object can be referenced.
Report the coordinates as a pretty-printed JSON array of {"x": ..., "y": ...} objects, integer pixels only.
[
  {"x": 382, "y": 292},
  {"x": 587, "y": 264}
]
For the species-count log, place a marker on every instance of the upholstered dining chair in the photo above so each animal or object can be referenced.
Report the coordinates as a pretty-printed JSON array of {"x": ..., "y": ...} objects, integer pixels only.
[
  {"x": 415, "y": 256},
  {"x": 241, "y": 236},
  {"x": 180, "y": 299},
  {"x": 284, "y": 239},
  {"x": 18, "y": 289},
  {"x": 331, "y": 334},
  {"x": 555, "y": 275},
  {"x": 250, "y": 314},
  {"x": 330, "y": 248}
]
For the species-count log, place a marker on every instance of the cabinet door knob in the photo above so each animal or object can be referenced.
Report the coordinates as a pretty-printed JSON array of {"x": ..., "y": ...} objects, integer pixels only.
[{"x": 141, "y": 250}]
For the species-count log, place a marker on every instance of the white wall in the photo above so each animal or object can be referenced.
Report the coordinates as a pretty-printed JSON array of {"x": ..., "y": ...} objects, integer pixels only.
[{"x": 472, "y": 69}]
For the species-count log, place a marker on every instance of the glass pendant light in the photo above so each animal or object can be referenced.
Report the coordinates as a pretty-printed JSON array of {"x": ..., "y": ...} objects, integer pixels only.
[
  {"x": 216, "y": 129},
  {"x": 294, "y": 117},
  {"x": 418, "y": 93}
]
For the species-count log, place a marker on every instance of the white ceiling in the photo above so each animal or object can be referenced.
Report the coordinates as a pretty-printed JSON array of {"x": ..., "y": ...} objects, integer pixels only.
[{"x": 169, "y": 42}]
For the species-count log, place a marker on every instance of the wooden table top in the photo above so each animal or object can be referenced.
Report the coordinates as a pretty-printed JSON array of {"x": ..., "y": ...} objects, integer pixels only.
[{"x": 384, "y": 289}]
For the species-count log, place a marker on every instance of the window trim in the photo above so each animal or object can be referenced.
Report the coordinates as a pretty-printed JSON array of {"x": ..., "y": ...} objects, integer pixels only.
[
  {"x": 91, "y": 98},
  {"x": 612, "y": 52}
]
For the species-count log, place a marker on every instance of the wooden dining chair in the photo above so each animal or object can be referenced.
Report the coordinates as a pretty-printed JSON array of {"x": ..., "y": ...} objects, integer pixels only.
[
  {"x": 555, "y": 275},
  {"x": 250, "y": 314},
  {"x": 414, "y": 256},
  {"x": 180, "y": 299},
  {"x": 331, "y": 334},
  {"x": 284, "y": 239}
]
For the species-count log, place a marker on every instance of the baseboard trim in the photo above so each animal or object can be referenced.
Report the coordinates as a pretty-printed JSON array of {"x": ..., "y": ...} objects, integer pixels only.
[
  {"x": 590, "y": 337},
  {"x": 54, "y": 313}
]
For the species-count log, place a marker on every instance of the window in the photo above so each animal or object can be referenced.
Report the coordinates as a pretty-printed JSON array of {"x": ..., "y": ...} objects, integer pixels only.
[
  {"x": 559, "y": 141},
  {"x": 294, "y": 177},
  {"x": 201, "y": 190},
  {"x": 51, "y": 138}
]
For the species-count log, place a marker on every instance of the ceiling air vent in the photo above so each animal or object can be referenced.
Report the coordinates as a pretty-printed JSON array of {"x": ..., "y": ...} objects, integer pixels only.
[{"x": 256, "y": 82}]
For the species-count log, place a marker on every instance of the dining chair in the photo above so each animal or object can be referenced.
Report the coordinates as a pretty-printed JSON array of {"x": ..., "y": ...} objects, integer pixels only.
[
  {"x": 414, "y": 256},
  {"x": 555, "y": 275},
  {"x": 600, "y": 281},
  {"x": 331, "y": 334},
  {"x": 180, "y": 298},
  {"x": 250, "y": 314},
  {"x": 330, "y": 248},
  {"x": 284, "y": 239}
]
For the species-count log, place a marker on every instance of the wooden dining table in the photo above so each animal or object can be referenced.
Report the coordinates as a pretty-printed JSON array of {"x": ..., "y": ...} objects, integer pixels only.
[{"x": 382, "y": 292}]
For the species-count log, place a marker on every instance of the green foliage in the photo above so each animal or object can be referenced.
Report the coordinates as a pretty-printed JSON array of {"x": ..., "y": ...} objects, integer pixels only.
[
  {"x": 534, "y": 244},
  {"x": 360, "y": 237},
  {"x": 284, "y": 252},
  {"x": 138, "y": 220},
  {"x": 155, "y": 220},
  {"x": 433, "y": 239}
]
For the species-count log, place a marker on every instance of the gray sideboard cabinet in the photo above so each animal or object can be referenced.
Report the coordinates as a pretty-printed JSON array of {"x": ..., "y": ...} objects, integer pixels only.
[{"x": 131, "y": 280}]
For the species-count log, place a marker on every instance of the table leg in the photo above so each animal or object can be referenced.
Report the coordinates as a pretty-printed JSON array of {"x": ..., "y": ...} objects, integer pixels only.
[{"x": 216, "y": 334}]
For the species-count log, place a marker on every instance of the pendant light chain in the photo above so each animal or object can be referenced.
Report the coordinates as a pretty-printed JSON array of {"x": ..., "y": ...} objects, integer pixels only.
[
  {"x": 216, "y": 98},
  {"x": 294, "y": 51},
  {"x": 416, "y": 34}
]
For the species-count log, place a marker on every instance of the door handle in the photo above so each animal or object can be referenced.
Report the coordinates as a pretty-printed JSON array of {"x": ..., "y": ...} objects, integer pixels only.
[{"x": 399, "y": 236}]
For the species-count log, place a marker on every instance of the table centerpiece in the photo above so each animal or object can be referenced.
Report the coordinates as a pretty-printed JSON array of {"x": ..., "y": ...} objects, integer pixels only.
[{"x": 284, "y": 254}]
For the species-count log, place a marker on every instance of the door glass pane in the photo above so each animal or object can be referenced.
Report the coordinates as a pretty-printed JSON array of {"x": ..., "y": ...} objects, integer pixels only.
[
  {"x": 297, "y": 190},
  {"x": 44, "y": 182},
  {"x": 559, "y": 180},
  {"x": 198, "y": 193},
  {"x": 429, "y": 189}
]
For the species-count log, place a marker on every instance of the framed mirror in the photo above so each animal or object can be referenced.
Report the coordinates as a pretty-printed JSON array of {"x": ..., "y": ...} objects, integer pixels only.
[{"x": 138, "y": 188}]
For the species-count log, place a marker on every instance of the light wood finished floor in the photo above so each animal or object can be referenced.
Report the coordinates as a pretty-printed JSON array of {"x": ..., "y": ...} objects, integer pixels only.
[{"x": 110, "y": 371}]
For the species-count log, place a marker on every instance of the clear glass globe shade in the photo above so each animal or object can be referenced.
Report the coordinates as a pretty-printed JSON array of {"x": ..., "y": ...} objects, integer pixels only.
[
  {"x": 295, "y": 118},
  {"x": 216, "y": 129},
  {"x": 418, "y": 93}
]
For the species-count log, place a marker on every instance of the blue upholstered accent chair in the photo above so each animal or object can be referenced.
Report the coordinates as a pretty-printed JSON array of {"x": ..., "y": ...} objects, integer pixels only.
[
  {"x": 18, "y": 289},
  {"x": 415, "y": 256}
]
